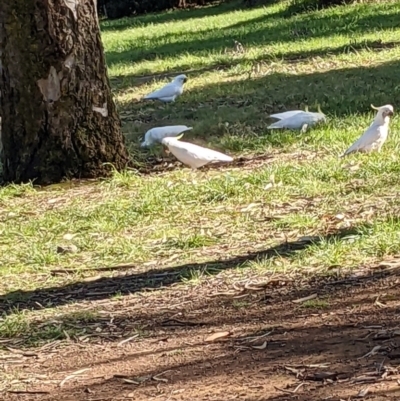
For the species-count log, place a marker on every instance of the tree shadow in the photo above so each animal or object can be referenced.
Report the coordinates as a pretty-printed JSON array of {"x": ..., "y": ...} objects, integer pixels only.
[
  {"x": 182, "y": 14},
  {"x": 278, "y": 322},
  {"x": 248, "y": 103},
  {"x": 123, "y": 82},
  {"x": 340, "y": 92},
  {"x": 265, "y": 29},
  {"x": 99, "y": 299},
  {"x": 305, "y": 338},
  {"x": 131, "y": 283}
]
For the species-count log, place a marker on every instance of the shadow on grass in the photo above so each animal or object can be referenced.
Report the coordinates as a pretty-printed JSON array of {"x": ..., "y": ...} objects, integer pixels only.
[
  {"x": 304, "y": 336},
  {"x": 124, "y": 82},
  {"x": 261, "y": 30},
  {"x": 246, "y": 104},
  {"x": 139, "y": 314},
  {"x": 216, "y": 8},
  {"x": 130, "y": 283},
  {"x": 340, "y": 92}
]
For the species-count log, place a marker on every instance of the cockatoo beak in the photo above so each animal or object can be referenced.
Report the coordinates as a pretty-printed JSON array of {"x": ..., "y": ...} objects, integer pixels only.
[
  {"x": 185, "y": 80},
  {"x": 390, "y": 113}
]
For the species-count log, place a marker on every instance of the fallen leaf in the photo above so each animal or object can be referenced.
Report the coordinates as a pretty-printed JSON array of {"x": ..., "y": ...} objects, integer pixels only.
[
  {"x": 127, "y": 340},
  {"x": 262, "y": 346},
  {"x": 217, "y": 335},
  {"x": 92, "y": 278},
  {"x": 363, "y": 392},
  {"x": 72, "y": 375},
  {"x": 54, "y": 200},
  {"x": 374, "y": 351},
  {"x": 249, "y": 207},
  {"x": 130, "y": 381},
  {"x": 300, "y": 300},
  {"x": 68, "y": 237}
]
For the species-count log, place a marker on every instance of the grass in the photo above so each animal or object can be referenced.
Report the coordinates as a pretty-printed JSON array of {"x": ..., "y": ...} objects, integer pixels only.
[
  {"x": 315, "y": 304},
  {"x": 19, "y": 323},
  {"x": 343, "y": 58}
]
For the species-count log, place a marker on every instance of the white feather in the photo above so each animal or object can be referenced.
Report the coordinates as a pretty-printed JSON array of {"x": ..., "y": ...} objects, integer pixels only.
[
  {"x": 376, "y": 134},
  {"x": 156, "y": 134},
  {"x": 170, "y": 91},
  {"x": 285, "y": 114},
  {"x": 193, "y": 155}
]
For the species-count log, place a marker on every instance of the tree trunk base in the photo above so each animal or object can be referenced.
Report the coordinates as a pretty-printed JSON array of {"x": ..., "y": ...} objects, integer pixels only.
[{"x": 59, "y": 117}]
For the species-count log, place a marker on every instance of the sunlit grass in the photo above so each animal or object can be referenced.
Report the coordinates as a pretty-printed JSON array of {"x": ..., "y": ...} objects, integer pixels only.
[{"x": 341, "y": 58}]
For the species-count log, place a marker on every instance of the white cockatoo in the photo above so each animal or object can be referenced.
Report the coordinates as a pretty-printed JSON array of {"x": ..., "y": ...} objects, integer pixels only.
[
  {"x": 297, "y": 119},
  {"x": 376, "y": 134},
  {"x": 170, "y": 91},
  {"x": 286, "y": 114},
  {"x": 156, "y": 134},
  {"x": 193, "y": 155}
]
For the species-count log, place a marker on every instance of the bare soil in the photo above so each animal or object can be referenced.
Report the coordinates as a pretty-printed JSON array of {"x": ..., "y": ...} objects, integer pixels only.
[{"x": 272, "y": 345}]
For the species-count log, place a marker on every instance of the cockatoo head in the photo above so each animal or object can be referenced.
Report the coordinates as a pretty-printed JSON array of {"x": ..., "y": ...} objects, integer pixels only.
[
  {"x": 171, "y": 139},
  {"x": 383, "y": 112},
  {"x": 181, "y": 79},
  {"x": 146, "y": 140},
  {"x": 144, "y": 144}
]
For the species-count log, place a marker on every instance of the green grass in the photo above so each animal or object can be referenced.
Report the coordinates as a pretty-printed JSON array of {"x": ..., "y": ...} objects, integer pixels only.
[
  {"x": 343, "y": 58},
  {"x": 315, "y": 304},
  {"x": 37, "y": 331},
  {"x": 340, "y": 57}
]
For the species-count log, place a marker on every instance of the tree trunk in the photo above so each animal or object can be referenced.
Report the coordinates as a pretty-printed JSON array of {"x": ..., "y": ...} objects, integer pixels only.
[{"x": 58, "y": 116}]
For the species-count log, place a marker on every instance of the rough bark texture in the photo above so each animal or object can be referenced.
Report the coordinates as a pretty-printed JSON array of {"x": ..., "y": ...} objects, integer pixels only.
[{"x": 59, "y": 118}]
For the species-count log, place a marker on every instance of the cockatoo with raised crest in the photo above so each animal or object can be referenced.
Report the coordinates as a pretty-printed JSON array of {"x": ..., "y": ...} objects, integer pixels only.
[
  {"x": 376, "y": 134},
  {"x": 170, "y": 91}
]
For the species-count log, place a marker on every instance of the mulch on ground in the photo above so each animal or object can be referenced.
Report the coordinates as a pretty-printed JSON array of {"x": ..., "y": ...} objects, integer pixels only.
[{"x": 277, "y": 337}]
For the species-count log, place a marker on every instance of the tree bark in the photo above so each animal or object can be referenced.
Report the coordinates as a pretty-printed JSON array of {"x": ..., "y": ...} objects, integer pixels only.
[{"x": 58, "y": 116}]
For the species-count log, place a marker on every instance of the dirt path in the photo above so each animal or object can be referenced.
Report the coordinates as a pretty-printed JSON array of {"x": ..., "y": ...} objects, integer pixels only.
[{"x": 276, "y": 349}]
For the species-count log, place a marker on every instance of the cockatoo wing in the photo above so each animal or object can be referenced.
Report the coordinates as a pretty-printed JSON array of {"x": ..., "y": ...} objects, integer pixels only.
[
  {"x": 298, "y": 120},
  {"x": 194, "y": 155},
  {"x": 285, "y": 123},
  {"x": 158, "y": 133},
  {"x": 172, "y": 131},
  {"x": 286, "y": 114}
]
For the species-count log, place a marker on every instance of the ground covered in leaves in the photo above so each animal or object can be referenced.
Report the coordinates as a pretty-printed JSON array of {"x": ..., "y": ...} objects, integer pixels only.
[
  {"x": 234, "y": 336},
  {"x": 274, "y": 277}
]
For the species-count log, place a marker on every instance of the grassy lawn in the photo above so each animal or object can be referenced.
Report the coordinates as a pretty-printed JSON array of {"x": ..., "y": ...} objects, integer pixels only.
[{"x": 291, "y": 188}]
